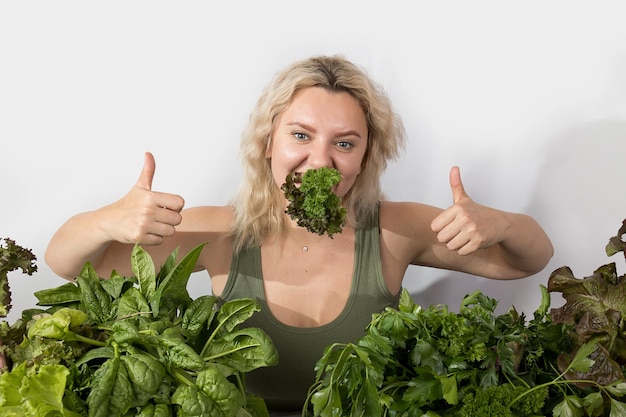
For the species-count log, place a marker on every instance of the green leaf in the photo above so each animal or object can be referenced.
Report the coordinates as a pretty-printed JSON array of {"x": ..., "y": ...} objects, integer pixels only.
[
  {"x": 96, "y": 301},
  {"x": 10, "y": 385},
  {"x": 105, "y": 352},
  {"x": 155, "y": 410},
  {"x": 197, "y": 318},
  {"x": 213, "y": 395},
  {"x": 592, "y": 402},
  {"x": 34, "y": 392},
  {"x": 256, "y": 406},
  {"x": 145, "y": 374},
  {"x": 171, "y": 292},
  {"x": 244, "y": 350},
  {"x": 111, "y": 390},
  {"x": 449, "y": 388},
  {"x": 618, "y": 408},
  {"x": 132, "y": 305},
  {"x": 177, "y": 353},
  {"x": 571, "y": 406},
  {"x": 618, "y": 388},
  {"x": 57, "y": 325},
  {"x": 544, "y": 306},
  {"x": 424, "y": 390},
  {"x": 581, "y": 361},
  {"x": 64, "y": 294},
  {"x": 126, "y": 332},
  {"x": 313, "y": 205},
  {"x": 234, "y": 312},
  {"x": 117, "y": 284},
  {"x": 144, "y": 271},
  {"x": 168, "y": 266}
]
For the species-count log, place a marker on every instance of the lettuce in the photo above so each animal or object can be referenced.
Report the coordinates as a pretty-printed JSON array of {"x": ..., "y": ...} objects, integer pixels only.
[
  {"x": 12, "y": 257},
  {"x": 31, "y": 392}
]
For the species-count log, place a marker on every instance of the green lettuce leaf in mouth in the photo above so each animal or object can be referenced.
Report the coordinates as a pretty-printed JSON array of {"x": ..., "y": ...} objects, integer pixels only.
[{"x": 313, "y": 204}]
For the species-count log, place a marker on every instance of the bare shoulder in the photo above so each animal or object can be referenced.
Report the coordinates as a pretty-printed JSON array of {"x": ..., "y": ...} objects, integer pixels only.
[
  {"x": 209, "y": 225},
  {"x": 406, "y": 217},
  {"x": 210, "y": 219},
  {"x": 405, "y": 229}
]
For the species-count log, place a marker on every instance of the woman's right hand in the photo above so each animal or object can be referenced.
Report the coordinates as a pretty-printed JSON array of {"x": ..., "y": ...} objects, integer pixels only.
[{"x": 143, "y": 216}]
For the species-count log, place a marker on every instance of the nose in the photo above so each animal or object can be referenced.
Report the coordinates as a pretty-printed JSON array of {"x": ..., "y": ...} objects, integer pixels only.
[{"x": 320, "y": 155}]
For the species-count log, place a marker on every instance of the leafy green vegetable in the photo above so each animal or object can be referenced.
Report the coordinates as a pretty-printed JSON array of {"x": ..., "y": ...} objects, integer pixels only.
[
  {"x": 30, "y": 392},
  {"x": 616, "y": 243},
  {"x": 313, "y": 205},
  {"x": 137, "y": 346},
  {"x": 12, "y": 257},
  {"x": 502, "y": 401},
  {"x": 432, "y": 362}
]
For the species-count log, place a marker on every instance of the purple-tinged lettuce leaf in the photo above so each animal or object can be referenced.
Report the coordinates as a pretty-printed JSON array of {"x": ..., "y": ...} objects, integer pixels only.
[
  {"x": 12, "y": 257},
  {"x": 617, "y": 243},
  {"x": 595, "y": 307}
]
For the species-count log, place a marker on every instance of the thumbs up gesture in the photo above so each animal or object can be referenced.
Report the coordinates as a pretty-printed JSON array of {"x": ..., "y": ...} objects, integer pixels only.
[
  {"x": 465, "y": 226},
  {"x": 144, "y": 216}
]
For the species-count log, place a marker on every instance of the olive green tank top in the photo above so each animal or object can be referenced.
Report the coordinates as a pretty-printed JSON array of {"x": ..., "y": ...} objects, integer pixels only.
[{"x": 285, "y": 386}]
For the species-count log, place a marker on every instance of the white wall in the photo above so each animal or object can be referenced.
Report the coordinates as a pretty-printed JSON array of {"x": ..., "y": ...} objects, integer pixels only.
[{"x": 529, "y": 98}]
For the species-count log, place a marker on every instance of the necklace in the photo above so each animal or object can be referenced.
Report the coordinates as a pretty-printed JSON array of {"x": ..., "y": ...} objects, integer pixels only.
[{"x": 292, "y": 237}]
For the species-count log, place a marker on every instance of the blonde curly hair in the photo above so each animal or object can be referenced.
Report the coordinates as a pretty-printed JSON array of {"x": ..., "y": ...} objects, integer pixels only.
[{"x": 259, "y": 203}]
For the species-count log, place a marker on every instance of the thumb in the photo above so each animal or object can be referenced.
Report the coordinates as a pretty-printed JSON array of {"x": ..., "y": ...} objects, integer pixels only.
[
  {"x": 147, "y": 173},
  {"x": 458, "y": 192}
]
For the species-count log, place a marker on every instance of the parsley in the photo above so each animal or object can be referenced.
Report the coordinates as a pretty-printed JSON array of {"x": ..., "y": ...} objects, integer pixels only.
[
  {"x": 313, "y": 205},
  {"x": 416, "y": 361}
]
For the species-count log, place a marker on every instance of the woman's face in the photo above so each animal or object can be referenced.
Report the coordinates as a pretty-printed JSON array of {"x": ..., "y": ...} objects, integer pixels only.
[{"x": 320, "y": 128}]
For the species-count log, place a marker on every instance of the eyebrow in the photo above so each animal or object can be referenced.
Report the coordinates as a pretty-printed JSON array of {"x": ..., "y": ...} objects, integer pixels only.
[{"x": 312, "y": 129}]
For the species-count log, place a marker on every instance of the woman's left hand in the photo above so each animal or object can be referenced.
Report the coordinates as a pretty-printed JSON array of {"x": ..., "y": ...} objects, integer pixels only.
[{"x": 466, "y": 226}]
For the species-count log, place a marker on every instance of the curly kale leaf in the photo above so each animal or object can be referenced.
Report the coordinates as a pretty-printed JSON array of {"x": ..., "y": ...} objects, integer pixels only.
[
  {"x": 12, "y": 257},
  {"x": 313, "y": 205}
]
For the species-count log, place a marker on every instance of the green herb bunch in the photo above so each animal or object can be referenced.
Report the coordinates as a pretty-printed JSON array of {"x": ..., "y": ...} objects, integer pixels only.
[
  {"x": 414, "y": 361},
  {"x": 133, "y": 346},
  {"x": 313, "y": 205}
]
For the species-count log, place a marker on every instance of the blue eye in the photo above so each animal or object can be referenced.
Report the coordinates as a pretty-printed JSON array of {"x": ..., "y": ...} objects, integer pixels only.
[
  {"x": 345, "y": 145},
  {"x": 300, "y": 135}
]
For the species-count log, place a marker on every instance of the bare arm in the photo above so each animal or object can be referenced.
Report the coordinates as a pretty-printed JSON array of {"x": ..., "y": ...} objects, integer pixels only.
[
  {"x": 466, "y": 237},
  {"x": 515, "y": 243},
  {"x": 105, "y": 236}
]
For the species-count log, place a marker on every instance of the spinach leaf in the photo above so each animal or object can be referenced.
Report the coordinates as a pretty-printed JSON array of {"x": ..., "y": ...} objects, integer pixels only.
[
  {"x": 212, "y": 395},
  {"x": 244, "y": 350},
  {"x": 67, "y": 293},
  {"x": 144, "y": 271},
  {"x": 197, "y": 318},
  {"x": 111, "y": 390},
  {"x": 98, "y": 302},
  {"x": 171, "y": 292},
  {"x": 133, "y": 345},
  {"x": 155, "y": 410},
  {"x": 145, "y": 374}
]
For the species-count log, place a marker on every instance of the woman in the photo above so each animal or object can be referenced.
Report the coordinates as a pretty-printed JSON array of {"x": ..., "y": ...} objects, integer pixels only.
[{"x": 314, "y": 290}]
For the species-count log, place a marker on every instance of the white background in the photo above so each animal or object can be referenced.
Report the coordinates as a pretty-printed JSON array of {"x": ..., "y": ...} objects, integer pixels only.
[{"x": 528, "y": 98}]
